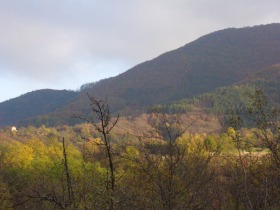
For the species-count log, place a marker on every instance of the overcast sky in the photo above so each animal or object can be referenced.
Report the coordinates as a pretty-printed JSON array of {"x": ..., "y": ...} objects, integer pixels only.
[{"x": 62, "y": 44}]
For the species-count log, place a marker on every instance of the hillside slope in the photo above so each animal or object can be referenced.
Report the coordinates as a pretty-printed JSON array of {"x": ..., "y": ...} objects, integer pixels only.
[
  {"x": 216, "y": 60},
  {"x": 219, "y": 59},
  {"x": 230, "y": 98},
  {"x": 33, "y": 104}
]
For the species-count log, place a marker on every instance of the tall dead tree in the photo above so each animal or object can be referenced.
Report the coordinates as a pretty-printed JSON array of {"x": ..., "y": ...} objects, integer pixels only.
[{"x": 103, "y": 123}]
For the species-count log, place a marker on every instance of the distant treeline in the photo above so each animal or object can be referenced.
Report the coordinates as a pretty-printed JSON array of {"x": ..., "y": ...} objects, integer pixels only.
[{"x": 223, "y": 100}]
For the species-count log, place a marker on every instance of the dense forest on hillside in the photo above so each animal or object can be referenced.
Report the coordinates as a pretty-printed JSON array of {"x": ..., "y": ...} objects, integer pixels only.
[
  {"x": 92, "y": 166},
  {"x": 225, "y": 99},
  {"x": 222, "y": 59},
  {"x": 217, "y": 102},
  {"x": 33, "y": 104}
]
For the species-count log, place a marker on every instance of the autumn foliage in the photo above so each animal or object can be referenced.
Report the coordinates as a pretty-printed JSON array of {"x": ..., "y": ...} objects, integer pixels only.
[{"x": 163, "y": 167}]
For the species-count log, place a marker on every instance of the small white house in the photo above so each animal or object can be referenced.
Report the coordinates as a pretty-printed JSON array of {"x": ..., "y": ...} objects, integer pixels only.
[{"x": 14, "y": 129}]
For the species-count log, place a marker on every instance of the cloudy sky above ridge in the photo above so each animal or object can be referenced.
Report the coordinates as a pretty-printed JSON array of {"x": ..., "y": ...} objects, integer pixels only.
[{"x": 62, "y": 44}]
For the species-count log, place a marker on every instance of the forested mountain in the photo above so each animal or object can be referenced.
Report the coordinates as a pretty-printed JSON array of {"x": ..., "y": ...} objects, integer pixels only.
[
  {"x": 229, "y": 98},
  {"x": 220, "y": 59},
  {"x": 33, "y": 104}
]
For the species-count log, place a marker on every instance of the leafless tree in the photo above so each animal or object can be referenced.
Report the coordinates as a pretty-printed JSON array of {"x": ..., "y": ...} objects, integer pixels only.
[{"x": 103, "y": 123}]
